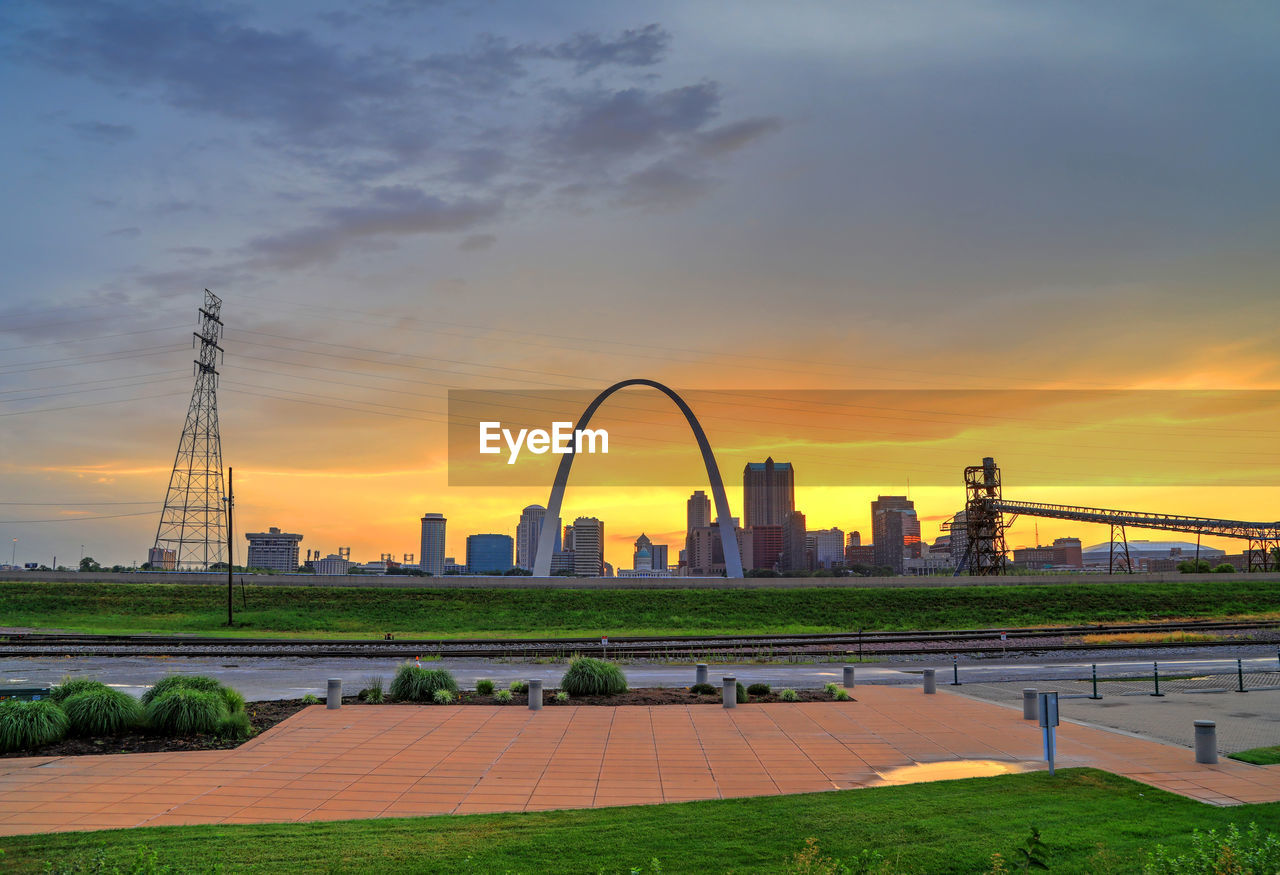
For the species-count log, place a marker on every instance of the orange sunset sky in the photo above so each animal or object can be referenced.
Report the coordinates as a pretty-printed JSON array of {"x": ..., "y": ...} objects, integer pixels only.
[{"x": 401, "y": 200}]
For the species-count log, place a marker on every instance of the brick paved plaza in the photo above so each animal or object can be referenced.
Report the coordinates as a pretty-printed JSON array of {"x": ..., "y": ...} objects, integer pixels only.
[{"x": 396, "y": 761}]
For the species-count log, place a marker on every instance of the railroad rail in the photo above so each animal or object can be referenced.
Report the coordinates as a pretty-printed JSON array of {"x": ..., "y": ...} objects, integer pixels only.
[{"x": 865, "y": 642}]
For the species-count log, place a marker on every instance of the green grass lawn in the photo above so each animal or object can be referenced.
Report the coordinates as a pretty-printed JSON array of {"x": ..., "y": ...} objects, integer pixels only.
[
  {"x": 440, "y": 613},
  {"x": 1259, "y": 756},
  {"x": 1091, "y": 821}
]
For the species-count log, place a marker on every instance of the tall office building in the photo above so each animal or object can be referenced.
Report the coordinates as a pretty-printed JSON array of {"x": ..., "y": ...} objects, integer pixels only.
[
  {"x": 827, "y": 546},
  {"x": 489, "y": 554},
  {"x": 274, "y": 550},
  {"x": 795, "y": 554},
  {"x": 431, "y": 556},
  {"x": 697, "y": 511},
  {"x": 893, "y": 527},
  {"x": 528, "y": 530},
  {"x": 766, "y": 547},
  {"x": 768, "y": 493},
  {"x": 659, "y": 557},
  {"x": 588, "y": 547},
  {"x": 705, "y": 553}
]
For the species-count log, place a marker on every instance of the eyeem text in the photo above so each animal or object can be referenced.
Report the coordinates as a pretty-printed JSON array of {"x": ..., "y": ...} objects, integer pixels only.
[{"x": 563, "y": 438}]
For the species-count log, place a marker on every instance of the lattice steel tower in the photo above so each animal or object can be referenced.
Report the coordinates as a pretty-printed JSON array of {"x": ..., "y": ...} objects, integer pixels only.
[{"x": 194, "y": 522}]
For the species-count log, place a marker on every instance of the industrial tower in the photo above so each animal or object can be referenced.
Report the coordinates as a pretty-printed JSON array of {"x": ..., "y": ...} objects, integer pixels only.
[{"x": 194, "y": 522}]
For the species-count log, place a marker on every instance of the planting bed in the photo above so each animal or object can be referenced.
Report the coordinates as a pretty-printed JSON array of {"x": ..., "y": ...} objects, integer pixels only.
[{"x": 264, "y": 715}]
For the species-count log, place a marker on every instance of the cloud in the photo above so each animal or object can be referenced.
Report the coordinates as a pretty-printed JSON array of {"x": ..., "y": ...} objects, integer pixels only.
[
  {"x": 605, "y": 123},
  {"x": 477, "y": 242},
  {"x": 638, "y": 47},
  {"x": 663, "y": 184},
  {"x": 104, "y": 132},
  {"x": 131, "y": 232},
  {"x": 392, "y": 211},
  {"x": 732, "y": 137}
]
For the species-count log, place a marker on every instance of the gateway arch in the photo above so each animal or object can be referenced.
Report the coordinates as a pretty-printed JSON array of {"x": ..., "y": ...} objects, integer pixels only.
[{"x": 728, "y": 539}]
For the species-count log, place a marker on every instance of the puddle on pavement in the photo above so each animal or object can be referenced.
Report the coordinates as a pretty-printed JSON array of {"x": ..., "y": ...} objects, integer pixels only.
[{"x": 951, "y": 770}]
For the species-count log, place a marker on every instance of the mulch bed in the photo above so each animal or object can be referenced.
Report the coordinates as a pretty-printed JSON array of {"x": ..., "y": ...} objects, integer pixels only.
[{"x": 264, "y": 715}]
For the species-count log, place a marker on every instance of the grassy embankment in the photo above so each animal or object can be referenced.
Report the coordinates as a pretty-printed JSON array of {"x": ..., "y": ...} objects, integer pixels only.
[
  {"x": 455, "y": 613},
  {"x": 1090, "y": 821}
]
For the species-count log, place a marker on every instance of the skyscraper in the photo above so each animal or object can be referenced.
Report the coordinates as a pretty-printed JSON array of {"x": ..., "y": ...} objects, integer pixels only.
[
  {"x": 794, "y": 547},
  {"x": 431, "y": 556},
  {"x": 827, "y": 546},
  {"x": 768, "y": 493},
  {"x": 893, "y": 525},
  {"x": 588, "y": 547},
  {"x": 273, "y": 549},
  {"x": 697, "y": 511},
  {"x": 528, "y": 531}
]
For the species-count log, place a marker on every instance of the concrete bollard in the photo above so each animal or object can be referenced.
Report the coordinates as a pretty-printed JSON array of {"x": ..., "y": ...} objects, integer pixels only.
[
  {"x": 1206, "y": 741},
  {"x": 930, "y": 682},
  {"x": 848, "y": 677},
  {"x": 535, "y": 695},
  {"x": 731, "y": 692},
  {"x": 335, "y": 693},
  {"x": 700, "y": 673},
  {"x": 1030, "y": 705}
]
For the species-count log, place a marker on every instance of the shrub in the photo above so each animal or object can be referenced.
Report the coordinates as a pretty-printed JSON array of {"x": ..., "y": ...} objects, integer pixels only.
[
  {"x": 587, "y": 676},
  {"x": 310, "y": 699},
  {"x": 374, "y": 694},
  {"x": 742, "y": 693},
  {"x": 184, "y": 711},
  {"x": 24, "y": 725},
  {"x": 831, "y": 688},
  {"x": 413, "y": 683},
  {"x": 1212, "y": 853},
  {"x": 841, "y": 695},
  {"x": 484, "y": 687},
  {"x": 442, "y": 697},
  {"x": 788, "y": 696},
  {"x": 703, "y": 689},
  {"x": 184, "y": 681},
  {"x": 70, "y": 687},
  {"x": 234, "y": 725},
  {"x": 560, "y": 697},
  {"x": 102, "y": 712},
  {"x": 759, "y": 689},
  {"x": 502, "y": 697},
  {"x": 518, "y": 687}
]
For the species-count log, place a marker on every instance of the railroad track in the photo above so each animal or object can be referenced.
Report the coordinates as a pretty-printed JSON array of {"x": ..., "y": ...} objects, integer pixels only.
[{"x": 869, "y": 643}]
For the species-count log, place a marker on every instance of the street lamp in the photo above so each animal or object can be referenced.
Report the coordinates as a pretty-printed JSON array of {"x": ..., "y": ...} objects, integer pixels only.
[{"x": 13, "y": 560}]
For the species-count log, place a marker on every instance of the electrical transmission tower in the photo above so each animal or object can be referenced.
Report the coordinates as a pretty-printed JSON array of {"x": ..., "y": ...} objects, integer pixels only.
[{"x": 192, "y": 535}]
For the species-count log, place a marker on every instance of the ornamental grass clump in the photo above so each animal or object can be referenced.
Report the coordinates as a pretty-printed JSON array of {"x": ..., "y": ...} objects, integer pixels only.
[
  {"x": 518, "y": 687},
  {"x": 442, "y": 697},
  {"x": 484, "y": 687},
  {"x": 587, "y": 676},
  {"x": 759, "y": 689},
  {"x": 184, "y": 681},
  {"x": 502, "y": 697},
  {"x": 235, "y": 725},
  {"x": 561, "y": 697},
  {"x": 788, "y": 696},
  {"x": 25, "y": 725},
  {"x": 374, "y": 693},
  {"x": 413, "y": 683},
  {"x": 102, "y": 712},
  {"x": 70, "y": 687},
  {"x": 702, "y": 689},
  {"x": 741, "y": 693},
  {"x": 186, "y": 711}
]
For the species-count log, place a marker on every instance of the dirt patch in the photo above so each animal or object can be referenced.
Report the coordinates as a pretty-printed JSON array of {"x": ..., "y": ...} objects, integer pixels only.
[{"x": 264, "y": 715}]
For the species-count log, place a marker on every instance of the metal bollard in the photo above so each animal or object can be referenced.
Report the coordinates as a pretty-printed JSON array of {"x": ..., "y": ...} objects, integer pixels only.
[
  {"x": 731, "y": 692},
  {"x": 1240, "y": 676},
  {"x": 335, "y": 694},
  {"x": 700, "y": 673},
  {"x": 955, "y": 671},
  {"x": 1155, "y": 671},
  {"x": 1095, "y": 682},
  {"x": 535, "y": 695},
  {"x": 1030, "y": 705},
  {"x": 1206, "y": 742},
  {"x": 930, "y": 682},
  {"x": 848, "y": 677}
]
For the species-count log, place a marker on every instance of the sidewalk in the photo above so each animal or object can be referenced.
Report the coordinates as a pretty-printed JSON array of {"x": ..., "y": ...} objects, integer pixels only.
[{"x": 396, "y": 761}]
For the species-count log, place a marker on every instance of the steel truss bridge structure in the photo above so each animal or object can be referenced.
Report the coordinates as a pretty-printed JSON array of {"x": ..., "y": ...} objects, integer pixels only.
[{"x": 983, "y": 526}]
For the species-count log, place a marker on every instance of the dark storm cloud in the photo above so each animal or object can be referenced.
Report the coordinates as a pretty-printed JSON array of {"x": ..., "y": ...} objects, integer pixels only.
[
  {"x": 104, "y": 132},
  {"x": 390, "y": 212}
]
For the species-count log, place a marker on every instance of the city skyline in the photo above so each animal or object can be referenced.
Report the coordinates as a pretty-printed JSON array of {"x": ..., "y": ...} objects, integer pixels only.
[{"x": 806, "y": 198}]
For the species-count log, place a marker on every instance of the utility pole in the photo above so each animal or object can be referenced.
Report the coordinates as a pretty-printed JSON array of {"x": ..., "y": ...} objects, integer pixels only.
[{"x": 231, "y": 499}]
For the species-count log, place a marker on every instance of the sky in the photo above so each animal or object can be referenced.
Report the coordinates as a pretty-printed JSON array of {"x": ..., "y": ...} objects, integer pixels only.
[{"x": 399, "y": 198}]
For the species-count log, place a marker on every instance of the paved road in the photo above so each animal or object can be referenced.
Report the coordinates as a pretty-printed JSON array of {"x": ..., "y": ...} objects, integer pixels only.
[{"x": 292, "y": 677}]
